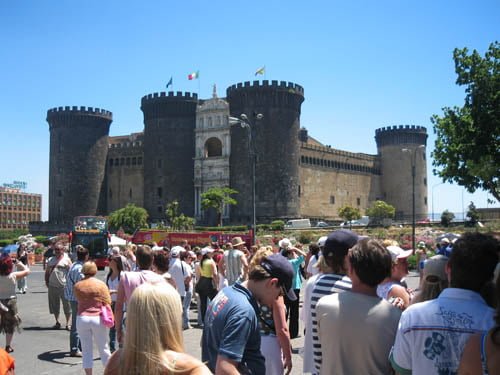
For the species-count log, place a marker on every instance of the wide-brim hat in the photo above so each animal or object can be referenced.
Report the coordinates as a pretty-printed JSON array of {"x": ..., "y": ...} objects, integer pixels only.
[
  {"x": 237, "y": 241},
  {"x": 279, "y": 267}
]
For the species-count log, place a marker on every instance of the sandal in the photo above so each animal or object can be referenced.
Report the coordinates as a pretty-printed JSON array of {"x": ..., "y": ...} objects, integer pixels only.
[
  {"x": 9, "y": 349},
  {"x": 68, "y": 327},
  {"x": 57, "y": 326}
]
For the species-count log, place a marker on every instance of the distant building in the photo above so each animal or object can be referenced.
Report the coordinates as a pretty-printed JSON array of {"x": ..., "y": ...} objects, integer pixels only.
[
  {"x": 18, "y": 208},
  {"x": 189, "y": 145}
]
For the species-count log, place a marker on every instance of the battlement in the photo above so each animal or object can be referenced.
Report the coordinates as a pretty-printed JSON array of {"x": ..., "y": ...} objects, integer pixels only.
[
  {"x": 168, "y": 96},
  {"x": 290, "y": 87},
  {"x": 401, "y": 135},
  {"x": 404, "y": 128},
  {"x": 336, "y": 152},
  {"x": 82, "y": 110}
]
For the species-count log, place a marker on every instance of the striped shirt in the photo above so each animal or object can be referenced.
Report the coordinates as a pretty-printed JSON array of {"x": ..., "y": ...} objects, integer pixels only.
[
  {"x": 74, "y": 275},
  {"x": 325, "y": 285}
]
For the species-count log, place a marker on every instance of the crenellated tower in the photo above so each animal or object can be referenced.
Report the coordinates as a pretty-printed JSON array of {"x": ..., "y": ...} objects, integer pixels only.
[
  {"x": 169, "y": 123},
  {"x": 78, "y": 151},
  {"x": 275, "y": 137},
  {"x": 402, "y": 150}
]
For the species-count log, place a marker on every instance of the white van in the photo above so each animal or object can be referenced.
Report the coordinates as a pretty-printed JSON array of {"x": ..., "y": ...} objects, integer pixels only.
[{"x": 298, "y": 223}]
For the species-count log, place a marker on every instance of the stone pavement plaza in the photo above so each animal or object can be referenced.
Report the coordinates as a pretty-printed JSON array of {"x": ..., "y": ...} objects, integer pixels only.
[{"x": 41, "y": 350}]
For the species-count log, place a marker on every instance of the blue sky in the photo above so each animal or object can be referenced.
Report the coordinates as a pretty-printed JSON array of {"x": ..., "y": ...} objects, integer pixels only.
[{"x": 363, "y": 65}]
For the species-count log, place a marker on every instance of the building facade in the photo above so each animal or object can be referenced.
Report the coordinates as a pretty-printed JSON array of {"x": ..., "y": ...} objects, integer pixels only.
[
  {"x": 189, "y": 145},
  {"x": 18, "y": 208}
]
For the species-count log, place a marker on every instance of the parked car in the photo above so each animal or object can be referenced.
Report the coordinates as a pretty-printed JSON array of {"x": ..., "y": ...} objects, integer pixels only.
[{"x": 322, "y": 224}]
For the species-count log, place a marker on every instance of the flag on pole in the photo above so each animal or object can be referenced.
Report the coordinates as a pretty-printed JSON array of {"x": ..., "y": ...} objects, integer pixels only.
[
  {"x": 194, "y": 75},
  {"x": 169, "y": 83},
  {"x": 260, "y": 71}
]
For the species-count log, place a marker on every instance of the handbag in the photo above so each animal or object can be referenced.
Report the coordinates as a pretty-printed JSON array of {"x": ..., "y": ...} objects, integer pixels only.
[{"x": 107, "y": 317}]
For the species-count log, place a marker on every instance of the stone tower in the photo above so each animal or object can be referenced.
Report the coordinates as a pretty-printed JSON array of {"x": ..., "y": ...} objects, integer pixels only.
[
  {"x": 78, "y": 151},
  {"x": 402, "y": 150},
  {"x": 169, "y": 123},
  {"x": 275, "y": 138}
]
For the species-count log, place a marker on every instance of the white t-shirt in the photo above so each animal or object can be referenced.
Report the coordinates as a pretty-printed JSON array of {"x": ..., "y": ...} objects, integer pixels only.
[
  {"x": 432, "y": 335},
  {"x": 356, "y": 332},
  {"x": 179, "y": 270},
  {"x": 312, "y": 262}
]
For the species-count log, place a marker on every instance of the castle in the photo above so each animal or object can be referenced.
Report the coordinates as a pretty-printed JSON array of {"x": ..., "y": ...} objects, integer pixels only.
[{"x": 189, "y": 145}]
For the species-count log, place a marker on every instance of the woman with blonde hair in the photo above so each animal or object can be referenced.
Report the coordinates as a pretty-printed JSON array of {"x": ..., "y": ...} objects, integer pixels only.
[
  {"x": 275, "y": 338},
  {"x": 91, "y": 294},
  {"x": 153, "y": 341}
]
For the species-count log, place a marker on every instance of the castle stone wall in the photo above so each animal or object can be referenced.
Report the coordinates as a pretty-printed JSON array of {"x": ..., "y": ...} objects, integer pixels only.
[
  {"x": 275, "y": 138},
  {"x": 331, "y": 178},
  {"x": 169, "y": 149},
  {"x": 78, "y": 151},
  {"x": 401, "y": 147},
  {"x": 125, "y": 173}
]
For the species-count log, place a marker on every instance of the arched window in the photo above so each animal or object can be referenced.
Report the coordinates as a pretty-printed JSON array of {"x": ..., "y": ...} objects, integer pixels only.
[{"x": 213, "y": 147}]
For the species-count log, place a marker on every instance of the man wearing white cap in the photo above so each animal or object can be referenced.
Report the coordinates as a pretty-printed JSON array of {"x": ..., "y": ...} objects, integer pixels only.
[{"x": 391, "y": 288}]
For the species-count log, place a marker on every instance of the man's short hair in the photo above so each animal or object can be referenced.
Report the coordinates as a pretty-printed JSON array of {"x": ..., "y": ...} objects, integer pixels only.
[
  {"x": 473, "y": 261},
  {"x": 144, "y": 257},
  {"x": 81, "y": 253},
  {"x": 371, "y": 261}
]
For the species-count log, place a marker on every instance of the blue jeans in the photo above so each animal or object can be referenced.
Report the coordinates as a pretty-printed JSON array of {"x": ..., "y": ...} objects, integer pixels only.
[
  {"x": 112, "y": 332},
  {"x": 74, "y": 339}
]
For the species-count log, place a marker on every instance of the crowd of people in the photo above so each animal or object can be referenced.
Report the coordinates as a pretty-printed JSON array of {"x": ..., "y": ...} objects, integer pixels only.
[{"x": 359, "y": 316}]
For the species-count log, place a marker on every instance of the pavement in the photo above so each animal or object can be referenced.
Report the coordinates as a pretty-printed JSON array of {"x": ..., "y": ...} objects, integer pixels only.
[{"x": 39, "y": 349}]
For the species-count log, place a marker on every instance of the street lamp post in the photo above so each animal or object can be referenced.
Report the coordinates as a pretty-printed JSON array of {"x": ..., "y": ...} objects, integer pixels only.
[
  {"x": 244, "y": 122},
  {"x": 413, "y": 173}
]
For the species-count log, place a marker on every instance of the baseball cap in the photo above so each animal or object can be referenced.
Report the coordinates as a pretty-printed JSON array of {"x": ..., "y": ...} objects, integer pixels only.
[
  {"x": 279, "y": 267},
  {"x": 339, "y": 241},
  {"x": 322, "y": 240},
  {"x": 175, "y": 251},
  {"x": 435, "y": 266},
  {"x": 398, "y": 253}
]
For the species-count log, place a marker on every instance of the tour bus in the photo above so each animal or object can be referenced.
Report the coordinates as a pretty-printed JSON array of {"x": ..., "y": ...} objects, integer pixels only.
[{"x": 92, "y": 233}]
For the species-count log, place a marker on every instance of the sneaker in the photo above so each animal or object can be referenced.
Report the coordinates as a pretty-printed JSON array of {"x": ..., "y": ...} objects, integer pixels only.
[
  {"x": 57, "y": 326},
  {"x": 75, "y": 354}
]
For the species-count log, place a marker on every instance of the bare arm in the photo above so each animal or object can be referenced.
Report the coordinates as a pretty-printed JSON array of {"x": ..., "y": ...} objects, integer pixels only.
[
  {"x": 399, "y": 291},
  {"x": 23, "y": 272},
  {"x": 282, "y": 333},
  {"x": 215, "y": 276},
  {"x": 226, "y": 366},
  {"x": 470, "y": 364},
  {"x": 120, "y": 299},
  {"x": 244, "y": 261}
]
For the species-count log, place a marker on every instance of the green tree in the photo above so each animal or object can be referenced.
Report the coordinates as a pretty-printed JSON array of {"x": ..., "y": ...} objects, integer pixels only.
[
  {"x": 178, "y": 220},
  {"x": 472, "y": 214},
  {"x": 446, "y": 218},
  {"x": 349, "y": 213},
  {"x": 216, "y": 198},
  {"x": 129, "y": 218},
  {"x": 379, "y": 211},
  {"x": 468, "y": 137}
]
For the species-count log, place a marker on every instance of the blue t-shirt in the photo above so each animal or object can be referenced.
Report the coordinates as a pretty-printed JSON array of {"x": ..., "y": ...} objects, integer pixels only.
[{"x": 232, "y": 330}]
